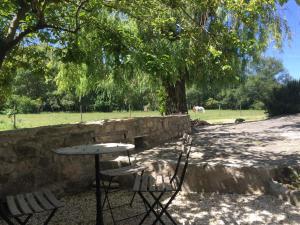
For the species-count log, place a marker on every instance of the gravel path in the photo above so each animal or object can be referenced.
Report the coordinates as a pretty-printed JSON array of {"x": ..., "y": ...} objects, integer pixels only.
[
  {"x": 208, "y": 209},
  {"x": 269, "y": 142},
  {"x": 272, "y": 142}
]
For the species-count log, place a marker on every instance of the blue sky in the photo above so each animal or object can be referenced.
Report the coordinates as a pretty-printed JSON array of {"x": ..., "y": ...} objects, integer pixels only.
[{"x": 290, "y": 54}]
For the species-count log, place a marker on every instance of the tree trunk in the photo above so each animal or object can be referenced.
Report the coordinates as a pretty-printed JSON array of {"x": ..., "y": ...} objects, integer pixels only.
[
  {"x": 2, "y": 57},
  {"x": 176, "y": 97},
  {"x": 5, "y": 48}
]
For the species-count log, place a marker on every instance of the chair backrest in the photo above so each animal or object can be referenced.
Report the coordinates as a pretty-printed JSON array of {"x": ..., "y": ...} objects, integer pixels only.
[
  {"x": 187, "y": 143},
  {"x": 177, "y": 167},
  {"x": 184, "y": 168}
]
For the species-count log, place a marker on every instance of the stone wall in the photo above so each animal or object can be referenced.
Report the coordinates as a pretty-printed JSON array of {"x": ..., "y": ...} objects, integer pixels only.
[{"x": 27, "y": 162}]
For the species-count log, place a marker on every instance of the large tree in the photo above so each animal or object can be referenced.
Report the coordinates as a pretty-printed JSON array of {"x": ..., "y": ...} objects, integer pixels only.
[
  {"x": 175, "y": 41},
  {"x": 44, "y": 19},
  {"x": 205, "y": 42}
]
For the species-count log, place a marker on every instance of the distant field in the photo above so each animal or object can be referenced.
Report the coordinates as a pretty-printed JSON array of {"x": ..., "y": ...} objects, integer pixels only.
[{"x": 43, "y": 119}]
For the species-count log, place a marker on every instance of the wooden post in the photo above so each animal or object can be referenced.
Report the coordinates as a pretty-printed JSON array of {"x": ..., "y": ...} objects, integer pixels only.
[
  {"x": 80, "y": 108},
  {"x": 14, "y": 112},
  {"x": 129, "y": 111},
  {"x": 240, "y": 109}
]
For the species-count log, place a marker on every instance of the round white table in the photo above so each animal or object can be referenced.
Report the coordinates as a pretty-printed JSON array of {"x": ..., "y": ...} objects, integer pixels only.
[{"x": 96, "y": 150}]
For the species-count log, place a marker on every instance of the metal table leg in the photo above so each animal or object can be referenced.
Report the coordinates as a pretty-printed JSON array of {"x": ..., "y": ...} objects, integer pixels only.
[{"x": 99, "y": 216}]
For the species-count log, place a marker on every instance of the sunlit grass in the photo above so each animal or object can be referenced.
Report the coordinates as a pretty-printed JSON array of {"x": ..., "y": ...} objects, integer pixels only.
[
  {"x": 43, "y": 119},
  {"x": 228, "y": 116}
]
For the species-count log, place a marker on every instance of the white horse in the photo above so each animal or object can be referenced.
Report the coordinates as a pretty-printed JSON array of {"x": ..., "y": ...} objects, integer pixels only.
[{"x": 198, "y": 109}]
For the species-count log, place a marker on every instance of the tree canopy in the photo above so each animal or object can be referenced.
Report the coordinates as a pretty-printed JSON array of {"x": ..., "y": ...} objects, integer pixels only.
[{"x": 176, "y": 42}]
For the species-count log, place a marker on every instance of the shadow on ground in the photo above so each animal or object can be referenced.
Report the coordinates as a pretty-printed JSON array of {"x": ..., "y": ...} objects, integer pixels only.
[{"x": 187, "y": 209}]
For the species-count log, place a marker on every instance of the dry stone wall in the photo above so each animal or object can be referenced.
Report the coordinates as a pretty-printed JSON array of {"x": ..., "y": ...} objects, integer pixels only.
[{"x": 27, "y": 162}]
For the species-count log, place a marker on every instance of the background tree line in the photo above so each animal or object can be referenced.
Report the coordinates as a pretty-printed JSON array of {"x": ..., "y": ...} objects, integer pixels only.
[{"x": 39, "y": 88}]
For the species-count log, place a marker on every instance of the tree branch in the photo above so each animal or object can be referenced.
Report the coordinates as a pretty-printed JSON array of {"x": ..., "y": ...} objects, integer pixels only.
[
  {"x": 24, "y": 33},
  {"x": 16, "y": 20},
  {"x": 77, "y": 26},
  {"x": 141, "y": 19},
  {"x": 51, "y": 26}
]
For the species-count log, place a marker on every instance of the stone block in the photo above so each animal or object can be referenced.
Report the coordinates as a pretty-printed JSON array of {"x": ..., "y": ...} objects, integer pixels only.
[
  {"x": 7, "y": 168},
  {"x": 52, "y": 142},
  {"x": 109, "y": 128},
  {"x": 78, "y": 138},
  {"x": 26, "y": 149},
  {"x": 120, "y": 127},
  {"x": 8, "y": 154}
]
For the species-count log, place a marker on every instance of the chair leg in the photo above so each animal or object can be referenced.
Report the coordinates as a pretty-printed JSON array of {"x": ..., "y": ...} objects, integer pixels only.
[
  {"x": 151, "y": 208},
  {"x": 23, "y": 222},
  {"x": 111, "y": 211},
  {"x": 106, "y": 191},
  {"x": 5, "y": 218},
  {"x": 50, "y": 217},
  {"x": 105, "y": 195},
  {"x": 166, "y": 212},
  {"x": 132, "y": 199},
  {"x": 164, "y": 209}
]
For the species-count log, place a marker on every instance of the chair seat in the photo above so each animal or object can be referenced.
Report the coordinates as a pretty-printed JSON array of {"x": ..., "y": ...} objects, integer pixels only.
[
  {"x": 122, "y": 171},
  {"x": 113, "y": 173},
  {"x": 147, "y": 183},
  {"x": 31, "y": 203}
]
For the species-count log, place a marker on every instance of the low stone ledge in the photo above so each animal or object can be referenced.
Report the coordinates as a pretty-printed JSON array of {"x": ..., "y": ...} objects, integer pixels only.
[
  {"x": 225, "y": 179},
  {"x": 219, "y": 178}
]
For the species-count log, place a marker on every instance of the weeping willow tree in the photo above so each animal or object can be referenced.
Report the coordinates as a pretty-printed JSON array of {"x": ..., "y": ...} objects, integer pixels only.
[
  {"x": 73, "y": 78},
  {"x": 207, "y": 42},
  {"x": 178, "y": 42}
]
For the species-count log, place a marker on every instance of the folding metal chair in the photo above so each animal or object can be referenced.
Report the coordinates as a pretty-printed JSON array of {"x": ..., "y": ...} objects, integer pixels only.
[
  {"x": 111, "y": 174},
  {"x": 160, "y": 185},
  {"x": 26, "y": 205}
]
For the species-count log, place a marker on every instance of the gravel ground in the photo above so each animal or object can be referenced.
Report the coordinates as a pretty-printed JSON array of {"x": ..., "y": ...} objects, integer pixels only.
[
  {"x": 270, "y": 142},
  {"x": 187, "y": 209}
]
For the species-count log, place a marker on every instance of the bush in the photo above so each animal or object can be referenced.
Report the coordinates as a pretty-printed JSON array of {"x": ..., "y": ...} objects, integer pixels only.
[
  {"x": 23, "y": 104},
  {"x": 212, "y": 103},
  {"x": 258, "y": 105},
  {"x": 102, "y": 105},
  {"x": 284, "y": 100},
  {"x": 162, "y": 101},
  {"x": 229, "y": 99},
  {"x": 194, "y": 96},
  {"x": 67, "y": 103}
]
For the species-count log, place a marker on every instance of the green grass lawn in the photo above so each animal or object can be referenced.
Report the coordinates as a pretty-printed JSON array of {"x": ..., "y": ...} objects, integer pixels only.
[
  {"x": 43, "y": 119},
  {"x": 228, "y": 116}
]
